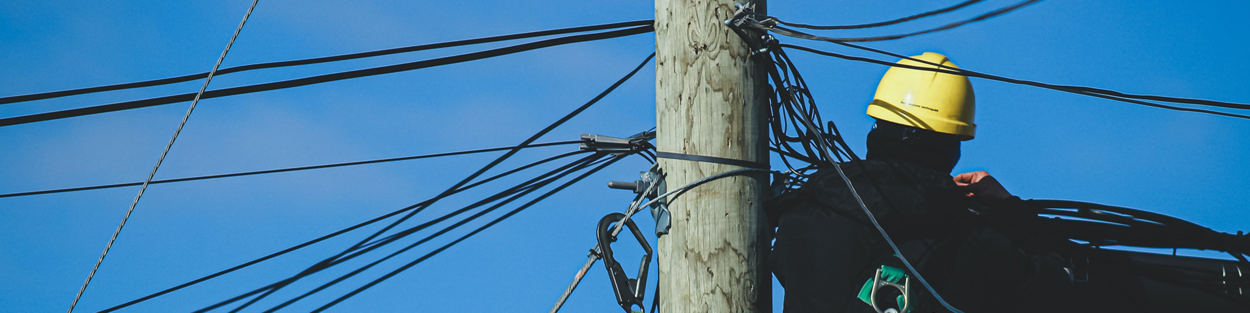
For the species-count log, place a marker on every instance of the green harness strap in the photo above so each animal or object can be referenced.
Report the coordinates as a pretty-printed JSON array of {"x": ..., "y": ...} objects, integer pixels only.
[{"x": 891, "y": 275}]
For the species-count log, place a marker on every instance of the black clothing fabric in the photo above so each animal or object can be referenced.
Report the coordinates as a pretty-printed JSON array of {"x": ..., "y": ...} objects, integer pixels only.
[
  {"x": 930, "y": 149},
  {"x": 826, "y": 248}
]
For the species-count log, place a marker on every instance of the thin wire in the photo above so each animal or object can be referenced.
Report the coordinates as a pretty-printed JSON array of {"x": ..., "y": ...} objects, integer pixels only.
[
  {"x": 162, "y": 158},
  {"x": 1072, "y": 89},
  {"x": 418, "y": 206},
  {"x": 38, "y": 117},
  {"x": 332, "y": 235},
  {"x": 886, "y": 23},
  {"x": 797, "y": 34},
  {"x": 352, "y": 56},
  {"x": 466, "y": 236},
  {"x": 290, "y": 169},
  {"x": 595, "y": 159}
]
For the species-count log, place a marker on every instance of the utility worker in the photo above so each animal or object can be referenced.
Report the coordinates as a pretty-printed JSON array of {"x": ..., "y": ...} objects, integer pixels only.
[{"x": 830, "y": 258}]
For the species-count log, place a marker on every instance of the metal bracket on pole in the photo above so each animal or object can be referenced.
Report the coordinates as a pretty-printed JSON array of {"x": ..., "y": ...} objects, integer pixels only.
[
  {"x": 618, "y": 146},
  {"x": 744, "y": 17},
  {"x": 659, "y": 209}
]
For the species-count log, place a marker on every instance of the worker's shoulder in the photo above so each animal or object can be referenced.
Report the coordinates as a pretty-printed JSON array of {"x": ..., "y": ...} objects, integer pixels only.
[{"x": 882, "y": 172}]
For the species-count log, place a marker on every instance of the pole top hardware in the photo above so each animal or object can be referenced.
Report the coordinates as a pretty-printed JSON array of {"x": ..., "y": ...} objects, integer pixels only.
[
  {"x": 629, "y": 291},
  {"x": 744, "y": 17}
]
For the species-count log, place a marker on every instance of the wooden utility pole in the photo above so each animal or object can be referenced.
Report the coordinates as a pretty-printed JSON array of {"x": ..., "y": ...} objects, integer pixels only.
[{"x": 711, "y": 100}]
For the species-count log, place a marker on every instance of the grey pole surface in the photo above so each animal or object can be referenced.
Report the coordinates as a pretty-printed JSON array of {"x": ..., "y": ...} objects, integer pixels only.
[{"x": 711, "y": 100}]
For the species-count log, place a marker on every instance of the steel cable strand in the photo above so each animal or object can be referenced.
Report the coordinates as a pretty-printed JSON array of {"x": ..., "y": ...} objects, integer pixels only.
[
  {"x": 361, "y": 249},
  {"x": 156, "y": 167},
  {"x": 331, "y": 235},
  {"x": 439, "y": 233},
  {"x": 351, "y": 56},
  {"x": 466, "y": 236},
  {"x": 963, "y": 72},
  {"x": 24, "y": 119},
  {"x": 885, "y": 23},
  {"x": 289, "y": 169}
]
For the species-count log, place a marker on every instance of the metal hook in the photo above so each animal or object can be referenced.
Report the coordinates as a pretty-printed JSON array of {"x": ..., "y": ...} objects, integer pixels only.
[{"x": 629, "y": 291}]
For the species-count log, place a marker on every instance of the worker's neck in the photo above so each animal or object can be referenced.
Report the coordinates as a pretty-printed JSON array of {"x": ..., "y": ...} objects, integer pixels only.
[{"x": 883, "y": 144}]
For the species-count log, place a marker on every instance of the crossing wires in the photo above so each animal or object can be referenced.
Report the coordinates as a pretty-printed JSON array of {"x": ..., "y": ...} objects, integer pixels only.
[
  {"x": 592, "y": 163},
  {"x": 195, "y": 101}
]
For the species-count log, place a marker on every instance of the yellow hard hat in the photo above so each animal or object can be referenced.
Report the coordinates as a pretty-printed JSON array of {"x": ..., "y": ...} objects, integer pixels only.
[{"x": 934, "y": 101}]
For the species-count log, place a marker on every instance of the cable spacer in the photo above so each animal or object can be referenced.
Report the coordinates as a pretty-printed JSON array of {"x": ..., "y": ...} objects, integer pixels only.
[{"x": 617, "y": 146}]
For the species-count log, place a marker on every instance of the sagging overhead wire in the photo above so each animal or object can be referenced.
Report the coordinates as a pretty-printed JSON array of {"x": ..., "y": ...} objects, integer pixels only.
[
  {"x": 510, "y": 194},
  {"x": 466, "y": 236},
  {"x": 877, "y": 24},
  {"x": 352, "y": 56},
  {"x": 769, "y": 23},
  {"x": 413, "y": 208},
  {"x": 515, "y": 192},
  {"x": 1088, "y": 91},
  {"x": 324, "y": 78},
  {"x": 290, "y": 169},
  {"x": 1113, "y": 93},
  {"x": 500, "y": 159},
  {"x": 332, "y": 235}
]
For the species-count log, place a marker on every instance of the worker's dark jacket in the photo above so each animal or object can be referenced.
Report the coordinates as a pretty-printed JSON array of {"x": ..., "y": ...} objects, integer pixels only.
[{"x": 826, "y": 248}]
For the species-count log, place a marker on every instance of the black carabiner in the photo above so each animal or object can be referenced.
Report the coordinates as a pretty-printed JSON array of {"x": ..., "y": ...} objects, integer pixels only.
[{"x": 629, "y": 291}]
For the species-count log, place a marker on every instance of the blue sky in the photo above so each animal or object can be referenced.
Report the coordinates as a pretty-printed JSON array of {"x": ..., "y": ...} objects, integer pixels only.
[{"x": 1041, "y": 144}]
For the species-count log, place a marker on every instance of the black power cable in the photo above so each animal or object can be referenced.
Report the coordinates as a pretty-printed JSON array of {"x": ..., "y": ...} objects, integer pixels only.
[
  {"x": 418, "y": 207},
  {"x": 540, "y": 133},
  {"x": 501, "y": 158},
  {"x": 1075, "y": 89},
  {"x": 289, "y": 169},
  {"x": 517, "y": 196},
  {"x": 361, "y": 249},
  {"x": 797, "y": 34},
  {"x": 877, "y": 24},
  {"x": 331, "y": 235},
  {"x": 352, "y": 56},
  {"x": 466, "y": 236},
  {"x": 1088, "y": 91},
  {"x": 24, "y": 119}
]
